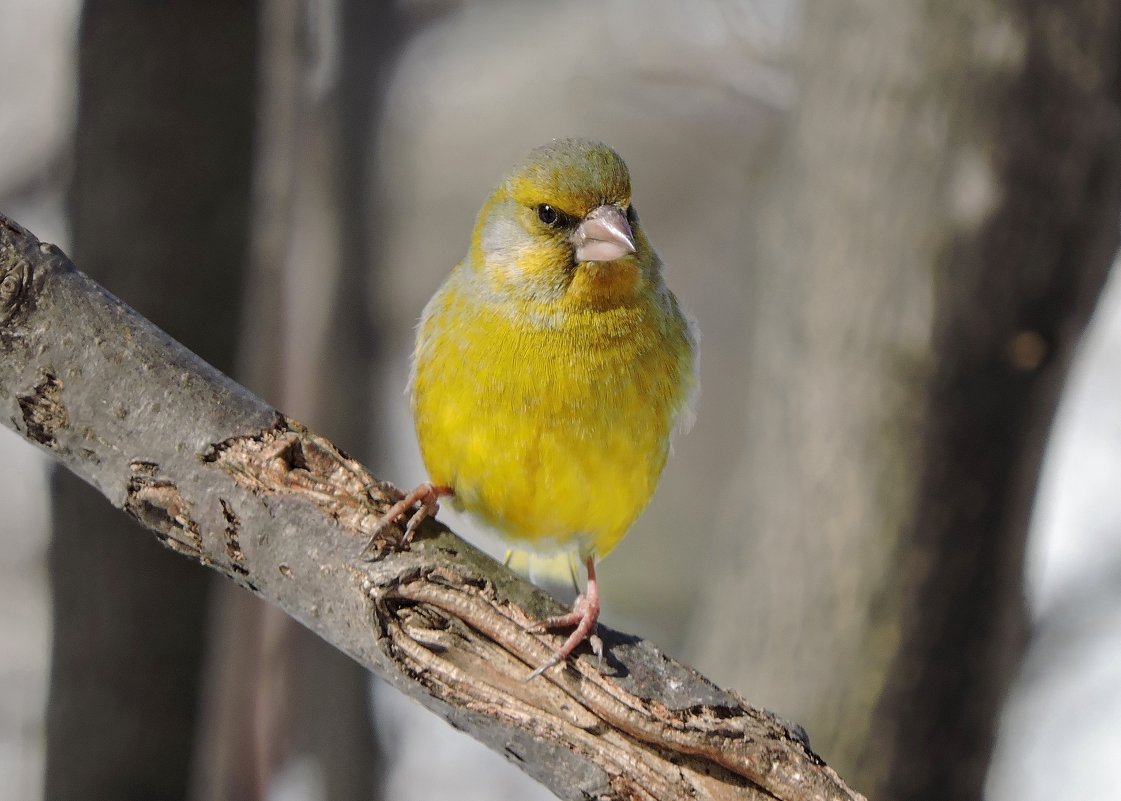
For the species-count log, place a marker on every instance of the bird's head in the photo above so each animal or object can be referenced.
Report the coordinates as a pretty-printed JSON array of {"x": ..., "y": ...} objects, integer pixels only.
[{"x": 561, "y": 229}]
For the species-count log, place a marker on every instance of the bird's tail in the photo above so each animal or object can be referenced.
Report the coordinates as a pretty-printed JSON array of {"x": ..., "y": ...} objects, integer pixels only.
[{"x": 560, "y": 569}]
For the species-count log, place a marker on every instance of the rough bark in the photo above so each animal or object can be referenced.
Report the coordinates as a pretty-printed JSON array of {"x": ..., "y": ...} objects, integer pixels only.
[
  {"x": 939, "y": 218},
  {"x": 220, "y": 476}
]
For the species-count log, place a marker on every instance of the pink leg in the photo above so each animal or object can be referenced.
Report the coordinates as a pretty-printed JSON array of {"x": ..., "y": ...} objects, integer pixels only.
[
  {"x": 584, "y": 615},
  {"x": 426, "y": 497}
]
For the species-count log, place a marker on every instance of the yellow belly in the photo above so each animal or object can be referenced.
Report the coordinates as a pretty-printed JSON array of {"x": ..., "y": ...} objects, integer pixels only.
[{"x": 555, "y": 434}]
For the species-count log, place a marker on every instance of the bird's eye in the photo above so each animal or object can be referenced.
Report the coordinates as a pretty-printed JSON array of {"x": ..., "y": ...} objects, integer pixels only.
[{"x": 547, "y": 214}]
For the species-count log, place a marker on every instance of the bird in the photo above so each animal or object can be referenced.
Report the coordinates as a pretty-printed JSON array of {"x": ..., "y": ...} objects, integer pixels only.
[{"x": 551, "y": 369}]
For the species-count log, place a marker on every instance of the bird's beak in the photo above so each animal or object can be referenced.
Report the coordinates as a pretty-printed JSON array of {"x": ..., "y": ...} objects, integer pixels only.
[{"x": 603, "y": 235}]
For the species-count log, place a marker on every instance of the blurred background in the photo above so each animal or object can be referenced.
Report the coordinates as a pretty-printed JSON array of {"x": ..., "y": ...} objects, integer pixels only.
[{"x": 895, "y": 521}]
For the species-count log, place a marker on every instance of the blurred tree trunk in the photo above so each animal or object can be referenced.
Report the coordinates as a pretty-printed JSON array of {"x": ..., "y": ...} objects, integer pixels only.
[
  {"x": 162, "y": 143},
  {"x": 307, "y": 347},
  {"x": 939, "y": 218}
]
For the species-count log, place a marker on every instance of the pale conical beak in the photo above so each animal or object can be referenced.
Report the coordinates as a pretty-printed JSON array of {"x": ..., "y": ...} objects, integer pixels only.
[{"x": 603, "y": 235}]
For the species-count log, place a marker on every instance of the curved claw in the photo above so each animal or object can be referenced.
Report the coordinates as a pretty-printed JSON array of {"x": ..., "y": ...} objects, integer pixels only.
[
  {"x": 426, "y": 497},
  {"x": 554, "y": 660},
  {"x": 584, "y": 616}
]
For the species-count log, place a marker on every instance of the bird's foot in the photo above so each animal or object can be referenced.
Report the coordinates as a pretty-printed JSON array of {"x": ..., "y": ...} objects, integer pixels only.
[
  {"x": 425, "y": 497},
  {"x": 583, "y": 617}
]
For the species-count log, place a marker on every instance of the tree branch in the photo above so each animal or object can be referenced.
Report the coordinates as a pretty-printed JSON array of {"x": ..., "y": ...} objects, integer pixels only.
[{"x": 220, "y": 476}]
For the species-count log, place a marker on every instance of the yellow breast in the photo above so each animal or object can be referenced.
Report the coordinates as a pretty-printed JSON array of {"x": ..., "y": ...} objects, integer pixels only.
[{"x": 552, "y": 427}]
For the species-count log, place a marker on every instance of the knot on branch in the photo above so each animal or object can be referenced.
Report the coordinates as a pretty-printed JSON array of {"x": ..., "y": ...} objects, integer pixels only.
[
  {"x": 19, "y": 278},
  {"x": 286, "y": 458},
  {"x": 15, "y": 285}
]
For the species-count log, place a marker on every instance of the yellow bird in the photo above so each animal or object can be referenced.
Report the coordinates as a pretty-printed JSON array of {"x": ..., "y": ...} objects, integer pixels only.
[{"x": 551, "y": 367}]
